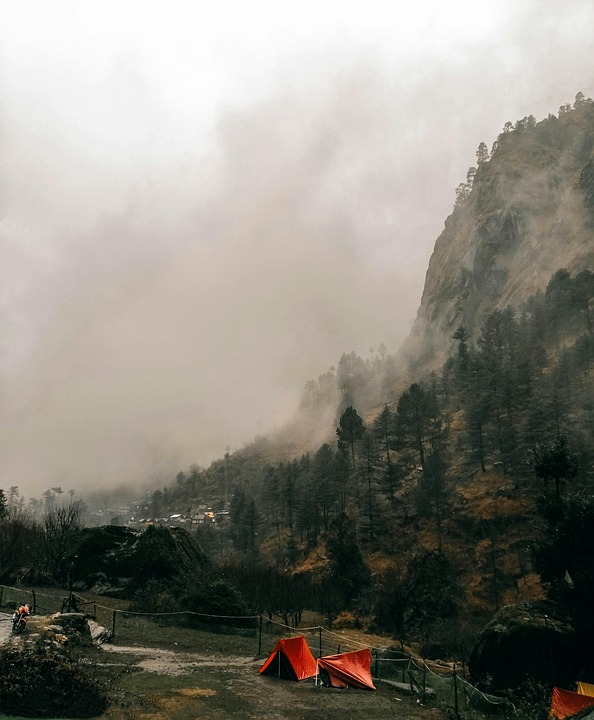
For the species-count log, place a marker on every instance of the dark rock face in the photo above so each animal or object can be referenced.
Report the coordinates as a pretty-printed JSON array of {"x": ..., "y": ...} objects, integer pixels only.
[
  {"x": 98, "y": 552},
  {"x": 529, "y": 213},
  {"x": 525, "y": 641},
  {"x": 118, "y": 561}
]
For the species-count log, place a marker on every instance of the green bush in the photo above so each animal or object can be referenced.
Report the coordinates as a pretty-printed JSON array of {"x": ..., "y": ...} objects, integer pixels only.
[{"x": 216, "y": 598}]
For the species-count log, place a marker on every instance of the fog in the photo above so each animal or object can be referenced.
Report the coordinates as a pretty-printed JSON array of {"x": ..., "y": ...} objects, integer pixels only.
[{"x": 202, "y": 210}]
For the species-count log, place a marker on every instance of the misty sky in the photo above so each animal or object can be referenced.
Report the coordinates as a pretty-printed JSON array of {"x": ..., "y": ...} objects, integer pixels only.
[{"x": 202, "y": 206}]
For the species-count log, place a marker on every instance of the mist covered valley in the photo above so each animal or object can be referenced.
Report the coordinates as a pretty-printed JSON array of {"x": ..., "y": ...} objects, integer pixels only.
[{"x": 192, "y": 228}]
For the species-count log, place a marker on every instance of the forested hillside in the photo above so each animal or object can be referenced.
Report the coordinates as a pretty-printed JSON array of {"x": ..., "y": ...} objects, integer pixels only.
[
  {"x": 420, "y": 506},
  {"x": 444, "y": 483}
]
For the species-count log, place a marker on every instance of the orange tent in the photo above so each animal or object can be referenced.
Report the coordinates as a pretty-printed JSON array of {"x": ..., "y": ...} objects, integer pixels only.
[
  {"x": 290, "y": 659},
  {"x": 565, "y": 703},
  {"x": 351, "y": 668}
]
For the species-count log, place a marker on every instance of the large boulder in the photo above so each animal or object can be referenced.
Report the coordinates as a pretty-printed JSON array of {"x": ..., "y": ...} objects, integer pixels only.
[
  {"x": 529, "y": 640},
  {"x": 99, "y": 552},
  {"x": 119, "y": 561}
]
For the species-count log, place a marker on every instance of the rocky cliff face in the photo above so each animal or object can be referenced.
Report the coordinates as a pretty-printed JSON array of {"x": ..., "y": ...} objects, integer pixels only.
[{"x": 528, "y": 213}]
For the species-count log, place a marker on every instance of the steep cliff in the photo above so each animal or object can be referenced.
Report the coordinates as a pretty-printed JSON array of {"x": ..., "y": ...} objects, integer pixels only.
[{"x": 528, "y": 212}]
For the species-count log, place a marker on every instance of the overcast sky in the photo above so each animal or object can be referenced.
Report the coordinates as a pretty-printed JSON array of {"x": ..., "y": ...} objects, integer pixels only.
[{"x": 201, "y": 208}]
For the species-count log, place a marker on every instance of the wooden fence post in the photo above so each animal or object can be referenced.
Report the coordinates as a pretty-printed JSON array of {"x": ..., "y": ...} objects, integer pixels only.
[
  {"x": 113, "y": 624},
  {"x": 455, "y": 692},
  {"x": 260, "y": 636},
  {"x": 424, "y": 681},
  {"x": 34, "y": 603}
]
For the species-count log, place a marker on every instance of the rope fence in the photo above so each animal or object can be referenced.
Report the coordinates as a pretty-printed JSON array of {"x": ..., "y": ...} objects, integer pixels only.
[{"x": 427, "y": 680}]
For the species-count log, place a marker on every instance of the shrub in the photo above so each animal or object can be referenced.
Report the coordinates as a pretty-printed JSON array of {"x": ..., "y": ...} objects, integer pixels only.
[
  {"x": 347, "y": 621},
  {"x": 216, "y": 598},
  {"x": 38, "y": 682}
]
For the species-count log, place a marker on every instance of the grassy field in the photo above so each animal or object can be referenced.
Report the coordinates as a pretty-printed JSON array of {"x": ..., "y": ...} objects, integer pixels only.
[
  {"x": 166, "y": 671},
  {"x": 158, "y": 668},
  {"x": 180, "y": 686}
]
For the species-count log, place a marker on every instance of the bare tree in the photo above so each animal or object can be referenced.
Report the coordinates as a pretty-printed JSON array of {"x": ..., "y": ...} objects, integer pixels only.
[{"x": 60, "y": 527}]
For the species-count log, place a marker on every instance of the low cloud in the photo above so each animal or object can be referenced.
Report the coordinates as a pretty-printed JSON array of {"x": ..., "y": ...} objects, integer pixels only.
[{"x": 173, "y": 274}]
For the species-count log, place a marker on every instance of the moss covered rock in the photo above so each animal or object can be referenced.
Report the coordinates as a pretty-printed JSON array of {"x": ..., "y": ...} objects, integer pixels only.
[{"x": 528, "y": 641}]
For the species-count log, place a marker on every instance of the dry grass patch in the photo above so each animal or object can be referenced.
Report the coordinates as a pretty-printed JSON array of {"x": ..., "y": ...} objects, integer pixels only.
[
  {"x": 196, "y": 692},
  {"x": 176, "y": 703}
]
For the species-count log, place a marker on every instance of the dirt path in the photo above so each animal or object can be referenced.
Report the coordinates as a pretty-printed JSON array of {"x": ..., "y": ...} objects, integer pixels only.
[
  {"x": 175, "y": 685},
  {"x": 170, "y": 662},
  {"x": 5, "y": 627}
]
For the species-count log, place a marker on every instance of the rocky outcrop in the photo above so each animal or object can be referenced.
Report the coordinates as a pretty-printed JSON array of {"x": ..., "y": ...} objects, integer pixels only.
[
  {"x": 69, "y": 626},
  {"x": 119, "y": 561},
  {"x": 525, "y": 641}
]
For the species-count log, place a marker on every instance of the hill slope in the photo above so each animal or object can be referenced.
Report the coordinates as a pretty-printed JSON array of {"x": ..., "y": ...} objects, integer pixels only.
[{"x": 422, "y": 514}]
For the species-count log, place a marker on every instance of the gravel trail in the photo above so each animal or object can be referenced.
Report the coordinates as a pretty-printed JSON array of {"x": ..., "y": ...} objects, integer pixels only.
[{"x": 5, "y": 627}]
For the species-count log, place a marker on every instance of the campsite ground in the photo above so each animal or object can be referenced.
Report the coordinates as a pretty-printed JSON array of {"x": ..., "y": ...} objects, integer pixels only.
[
  {"x": 163, "y": 671},
  {"x": 157, "y": 684}
]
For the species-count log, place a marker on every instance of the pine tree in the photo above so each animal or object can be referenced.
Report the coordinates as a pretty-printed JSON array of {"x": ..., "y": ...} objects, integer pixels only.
[{"x": 350, "y": 430}]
